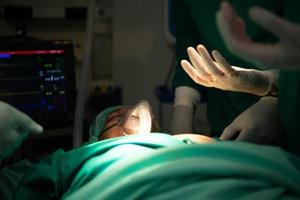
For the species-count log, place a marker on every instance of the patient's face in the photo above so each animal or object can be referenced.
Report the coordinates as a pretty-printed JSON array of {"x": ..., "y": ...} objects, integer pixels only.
[
  {"x": 128, "y": 121},
  {"x": 131, "y": 120}
]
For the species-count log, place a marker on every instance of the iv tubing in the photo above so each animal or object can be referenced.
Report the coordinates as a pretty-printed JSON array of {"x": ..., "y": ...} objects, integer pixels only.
[{"x": 85, "y": 72}]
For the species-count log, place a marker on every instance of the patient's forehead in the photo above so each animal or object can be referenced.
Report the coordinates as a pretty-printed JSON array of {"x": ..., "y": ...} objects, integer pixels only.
[
  {"x": 116, "y": 116},
  {"x": 120, "y": 112},
  {"x": 112, "y": 126}
]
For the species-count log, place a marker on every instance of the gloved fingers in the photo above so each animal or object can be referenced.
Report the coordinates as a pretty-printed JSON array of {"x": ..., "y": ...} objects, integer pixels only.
[
  {"x": 11, "y": 136},
  {"x": 228, "y": 12},
  {"x": 25, "y": 123},
  {"x": 231, "y": 27},
  {"x": 193, "y": 73},
  {"x": 197, "y": 62},
  {"x": 273, "y": 23},
  {"x": 231, "y": 132},
  {"x": 227, "y": 77},
  {"x": 8, "y": 141},
  {"x": 223, "y": 64},
  {"x": 13, "y": 140},
  {"x": 249, "y": 135},
  {"x": 258, "y": 136},
  {"x": 232, "y": 30},
  {"x": 235, "y": 24},
  {"x": 228, "y": 34},
  {"x": 208, "y": 61}
]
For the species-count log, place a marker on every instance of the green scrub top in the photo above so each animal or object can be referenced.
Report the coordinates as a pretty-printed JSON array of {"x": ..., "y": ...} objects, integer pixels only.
[
  {"x": 195, "y": 24},
  {"x": 158, "y": 166},
  {"x": 289, "y": 90},
  {"x": 289, "y": 108}
]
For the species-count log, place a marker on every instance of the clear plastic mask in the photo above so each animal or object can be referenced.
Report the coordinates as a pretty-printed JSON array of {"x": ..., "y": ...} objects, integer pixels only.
[{"x": 138, "y": 120}]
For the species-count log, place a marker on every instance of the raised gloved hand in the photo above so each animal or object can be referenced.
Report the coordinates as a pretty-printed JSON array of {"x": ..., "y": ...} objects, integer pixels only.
[
  {"x": 185, "y": 101},
  {"x": 259, "y": 123},
  {"x": 14, "y": 127},
  {"x": 220, "y": 74},
  {"x": 284, "y": 54}
]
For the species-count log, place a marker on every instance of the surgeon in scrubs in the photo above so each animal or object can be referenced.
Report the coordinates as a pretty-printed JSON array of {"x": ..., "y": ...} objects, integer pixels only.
[
  {"x": 195, "y": 24},
  {"x": 279, "y": 119}
]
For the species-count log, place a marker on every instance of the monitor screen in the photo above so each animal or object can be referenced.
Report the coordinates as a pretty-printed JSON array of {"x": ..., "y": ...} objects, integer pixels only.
[{"x": 37, "y": 77}]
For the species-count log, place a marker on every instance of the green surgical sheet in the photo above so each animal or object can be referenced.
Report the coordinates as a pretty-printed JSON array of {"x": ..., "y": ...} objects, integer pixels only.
[{"x": 158, "y": 166}]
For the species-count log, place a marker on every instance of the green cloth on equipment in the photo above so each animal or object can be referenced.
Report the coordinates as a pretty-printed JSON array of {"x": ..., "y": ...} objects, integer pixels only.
[
  {"x": 195, "y": 24},
  {"x": 158, "y": 166}
]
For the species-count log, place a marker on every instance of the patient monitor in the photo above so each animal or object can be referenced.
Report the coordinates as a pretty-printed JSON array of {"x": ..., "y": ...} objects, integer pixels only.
[{"x": 37, "y": 77}]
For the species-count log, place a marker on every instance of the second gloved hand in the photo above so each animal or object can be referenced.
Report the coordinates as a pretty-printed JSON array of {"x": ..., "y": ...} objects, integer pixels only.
[
  {"x": 284, "y": 54},
  {"x": 218, "y": 73},
  {"x": 14, "y": 127},
  {"x": 259, "y": 124}
]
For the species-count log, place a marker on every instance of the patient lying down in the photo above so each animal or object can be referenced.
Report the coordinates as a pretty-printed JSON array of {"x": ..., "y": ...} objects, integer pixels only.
[
  {"x": 125, "y": 120},
  {"x": 149, "y": 165}
]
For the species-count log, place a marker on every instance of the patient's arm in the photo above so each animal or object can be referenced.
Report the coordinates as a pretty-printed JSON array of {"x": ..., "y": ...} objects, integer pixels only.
[{"x": 195, "y": 138}]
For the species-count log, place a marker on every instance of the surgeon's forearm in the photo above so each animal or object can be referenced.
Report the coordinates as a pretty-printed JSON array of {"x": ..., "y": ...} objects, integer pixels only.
[
  {"x": 186, "y": 99},
  {"x": 271, "y": 82},
  {"x": 273, "y": 77},
  {"x": 261, "y": 83}
]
